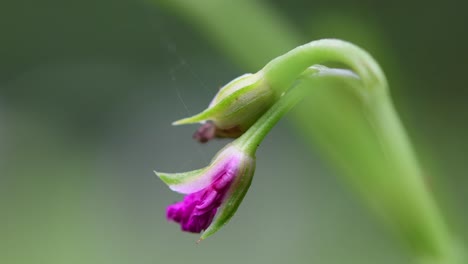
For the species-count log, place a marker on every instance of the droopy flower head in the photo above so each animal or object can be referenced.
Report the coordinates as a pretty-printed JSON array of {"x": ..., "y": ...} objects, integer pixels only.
[
  {"x": 215, "y": 190},
  {"x": 234, "y": 108}
]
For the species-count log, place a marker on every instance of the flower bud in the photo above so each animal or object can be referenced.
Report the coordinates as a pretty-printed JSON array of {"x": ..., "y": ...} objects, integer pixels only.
[
  {"x": 215, "y": 190},
  {"x": 234, "y": 109}
]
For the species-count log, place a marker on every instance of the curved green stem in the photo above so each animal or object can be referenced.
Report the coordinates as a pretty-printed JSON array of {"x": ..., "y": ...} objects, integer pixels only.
[
  {"x": 282, "y": 71},
  {"x": 313, "y": 77},
  {"x": 376, "y": 151}
]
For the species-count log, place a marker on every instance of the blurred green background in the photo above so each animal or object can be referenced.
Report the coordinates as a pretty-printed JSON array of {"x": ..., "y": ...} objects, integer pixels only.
[{"x": 88, "y": 90}]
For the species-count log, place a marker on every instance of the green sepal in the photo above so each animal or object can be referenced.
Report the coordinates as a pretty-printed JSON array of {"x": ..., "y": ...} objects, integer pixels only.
[
  {"x": 238, "y": 104},
  {"x": 235, "y": 196},
  {"x": 178, "y": 178}
]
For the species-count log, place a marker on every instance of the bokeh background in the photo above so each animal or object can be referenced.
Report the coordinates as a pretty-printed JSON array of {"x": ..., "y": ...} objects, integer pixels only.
[{"x": 88, "y": 90}]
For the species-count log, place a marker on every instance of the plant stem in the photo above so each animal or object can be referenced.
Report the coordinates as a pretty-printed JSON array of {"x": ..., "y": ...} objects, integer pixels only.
[
  {"x": 313, "y": 77},
  {"x": 282, "y": 71},
  {"x": 385, "y": 168},
  {"x": 407, "y": 197}
]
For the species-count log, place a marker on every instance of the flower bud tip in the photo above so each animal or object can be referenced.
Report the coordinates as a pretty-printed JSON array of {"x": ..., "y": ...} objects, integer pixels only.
[
  {"x": 183, "y": 122},
  {"x": 198, "y": 118}
]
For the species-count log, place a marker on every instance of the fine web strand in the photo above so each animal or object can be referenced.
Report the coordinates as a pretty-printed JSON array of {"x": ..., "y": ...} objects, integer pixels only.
[{"x": 182, "y": 64}]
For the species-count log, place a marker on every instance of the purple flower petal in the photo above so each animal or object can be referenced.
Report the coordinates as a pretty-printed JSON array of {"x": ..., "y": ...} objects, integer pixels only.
[
  {"x": 196, "y": 212},
  {"x": 218, "y": 188}
]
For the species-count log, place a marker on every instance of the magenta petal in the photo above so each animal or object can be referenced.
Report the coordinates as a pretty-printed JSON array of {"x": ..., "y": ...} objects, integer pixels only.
[
  {"x": 216, "y": 189},
  {"x": 196, "y": 212},
  {"x": 207, "y": 201}
]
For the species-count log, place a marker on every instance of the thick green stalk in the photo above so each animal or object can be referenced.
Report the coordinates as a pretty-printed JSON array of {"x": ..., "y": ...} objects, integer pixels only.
[
  {"x": 406, "y": 193},
  {"x": 376, "y": 152}
]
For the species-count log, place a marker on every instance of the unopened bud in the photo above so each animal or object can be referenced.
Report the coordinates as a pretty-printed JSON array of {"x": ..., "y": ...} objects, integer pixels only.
[{"x": 234, "y": 109}]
